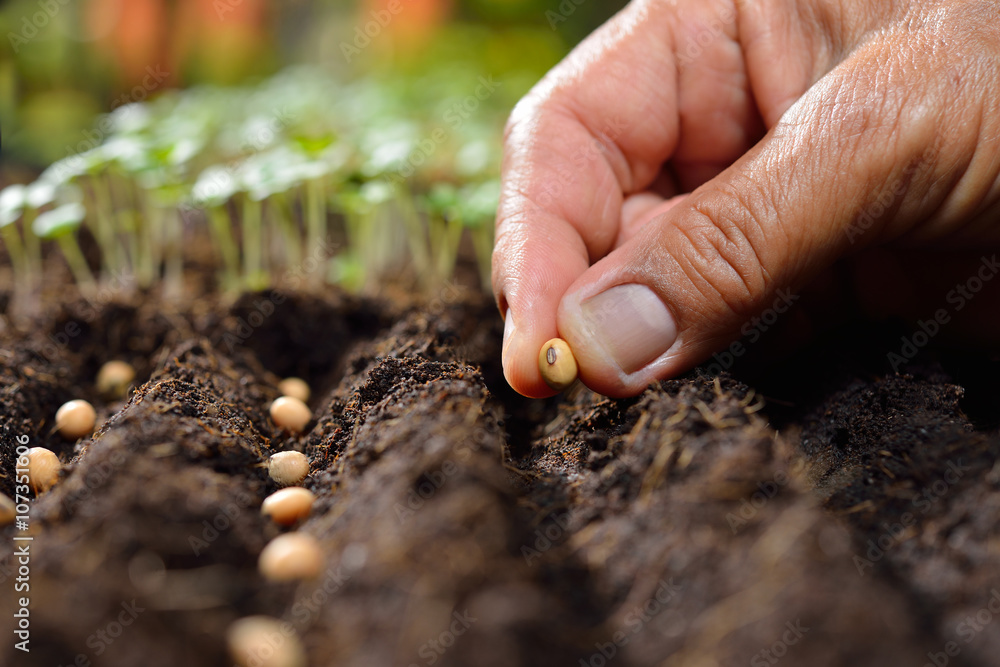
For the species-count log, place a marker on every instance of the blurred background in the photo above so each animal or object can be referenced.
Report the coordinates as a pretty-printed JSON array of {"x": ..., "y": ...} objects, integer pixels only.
[{"x": 67, "y": 61}]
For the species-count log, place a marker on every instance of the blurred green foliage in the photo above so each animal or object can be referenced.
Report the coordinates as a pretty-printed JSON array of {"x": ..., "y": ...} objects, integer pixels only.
[
  {"x": 152, "y": 118},
  {"x": 69, "y": 60},
  {"x": 396, "y": 168}
]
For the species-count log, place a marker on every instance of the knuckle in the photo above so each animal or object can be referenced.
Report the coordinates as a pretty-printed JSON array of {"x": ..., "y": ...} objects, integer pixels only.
[{"x": 721, "y": 252}]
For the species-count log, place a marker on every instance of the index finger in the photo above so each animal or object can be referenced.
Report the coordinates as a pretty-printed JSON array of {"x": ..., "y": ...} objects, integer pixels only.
[{"x": 598, "y": 127}]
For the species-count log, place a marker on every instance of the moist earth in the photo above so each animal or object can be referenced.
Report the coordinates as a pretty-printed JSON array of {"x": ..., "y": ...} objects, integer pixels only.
[{"x": 828, "y": 511}]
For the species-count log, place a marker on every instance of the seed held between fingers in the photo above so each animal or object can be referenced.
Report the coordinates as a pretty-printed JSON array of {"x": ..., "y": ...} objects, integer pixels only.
[
  {"x": 288, "y": 506},
  {"x": 288, "y": 468},
  {"x": 114, "y": 378},
  {"x": 75, "y": 419},
  {"x": 296, "y": 388},
  {"x": 252, "y": 643},
  {"x": 290, "y": 413},
  {"x": 557, "y": 364},
  {"x": 43, "y": 468},
  {"x": 291, "y": 556}
]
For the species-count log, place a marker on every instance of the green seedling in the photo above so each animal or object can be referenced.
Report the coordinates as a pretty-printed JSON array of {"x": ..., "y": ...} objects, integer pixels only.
[
  {"x": 444, "y": 214},
  {"x": 116, "y": 168},
  {"x": 413, "y": 226},
  {"x": 163, "y": 210},
  {"x": 316, "y": 211},
  {"x": 293, "y": 171},
  {"x": 348, "y": 267},
  {"x": 86, "y": 169},
  {"x": 347, "y": 270},
  {"x": 280, "y": 216},
  {"x": 369, "y": 212},
  {"x": 381, "y": 244},
  {"x": 254, "y": 274},
  {"x": 269, "y": 165},
  {"x": 478, "y": 208},
  {"x": 12, "y": 202},
  {"x": 250, "y": 177},
  {"x": 456, "y": 211},
  {"x": 37, "y": 196},
  {"x": 266, "y": 178},
  {"x": 61, "y": 224},
  {"x": 159, "y": 178},
  {"x": 212, "y": 191}
]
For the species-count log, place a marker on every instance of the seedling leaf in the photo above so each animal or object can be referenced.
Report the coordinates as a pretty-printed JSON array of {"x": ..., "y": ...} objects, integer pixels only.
[
  {"x": 60, "y": 220},
  {"x": 41, "y": 193},
  {"x": 214, "y": 187},
  {"x": 12, "y": 201}
]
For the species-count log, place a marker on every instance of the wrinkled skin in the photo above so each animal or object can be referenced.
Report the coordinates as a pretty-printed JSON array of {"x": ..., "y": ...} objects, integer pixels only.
[{"x": 724, "y": 152}]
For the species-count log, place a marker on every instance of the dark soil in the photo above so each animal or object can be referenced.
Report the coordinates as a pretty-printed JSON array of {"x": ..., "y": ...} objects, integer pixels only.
[{"x": 825, "y": 512}]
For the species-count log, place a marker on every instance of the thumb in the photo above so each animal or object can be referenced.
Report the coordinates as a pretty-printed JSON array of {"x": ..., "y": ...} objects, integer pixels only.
[{"x": 835, "y": 173}]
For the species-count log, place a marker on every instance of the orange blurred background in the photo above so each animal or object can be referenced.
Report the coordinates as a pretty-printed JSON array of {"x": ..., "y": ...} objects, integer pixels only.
[{"x": 88, "y": 56}]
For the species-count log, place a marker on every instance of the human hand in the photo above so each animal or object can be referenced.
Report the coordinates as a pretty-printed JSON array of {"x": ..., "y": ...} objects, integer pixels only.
[{"x": 693, "y": 161}]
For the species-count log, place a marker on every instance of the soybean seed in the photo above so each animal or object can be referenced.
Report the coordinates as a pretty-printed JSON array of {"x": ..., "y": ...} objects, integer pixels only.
[
  {"x": 288, "y": 506},
  {"x": 290, "y": 413},
  {"x": 288, "y": 468},
  {"x": 8, "y": 510},
  {"x": 252, "y": 643},
  {"x": 114, "y": 378},
  {"x": 291, "y": 556},
  {"x": 557, "y": 364},
  {"x": 43, "y": 468},
  {"x": 76, "y": 419},
  {"x": 296, "y": 388}
]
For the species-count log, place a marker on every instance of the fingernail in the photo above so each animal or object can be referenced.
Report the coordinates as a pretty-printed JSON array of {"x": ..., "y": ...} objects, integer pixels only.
[
  {"x": 631, "y": 323},
  {"x": 508, "y": 334}
]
